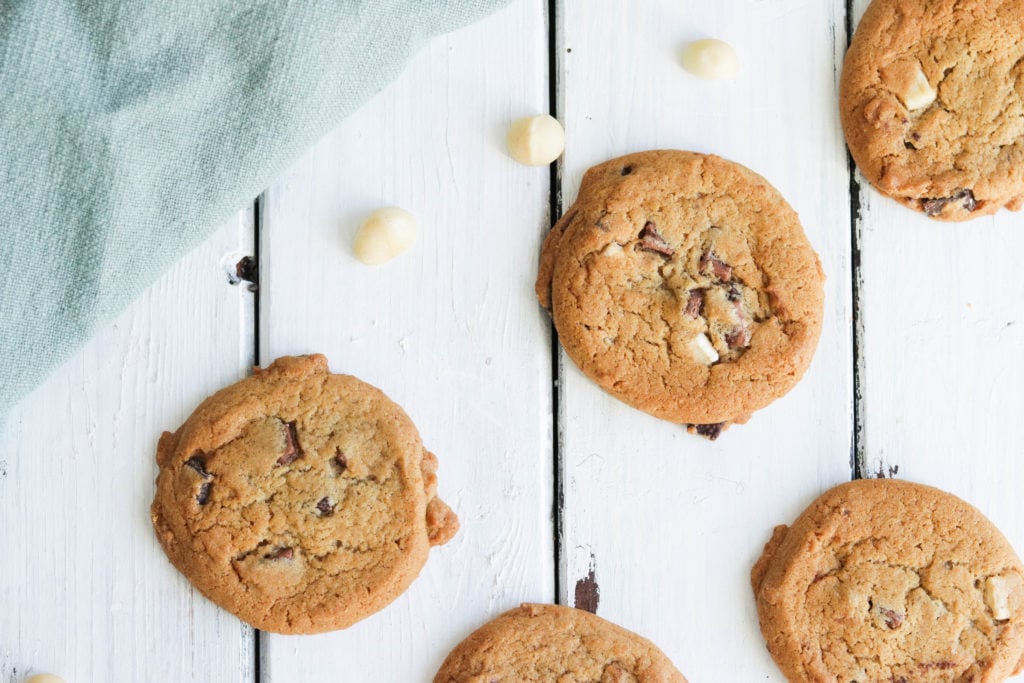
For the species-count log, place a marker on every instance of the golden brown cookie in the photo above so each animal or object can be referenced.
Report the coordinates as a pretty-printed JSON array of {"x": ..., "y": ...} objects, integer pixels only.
[
  {"x": 535, "y": 643},
  {"x": 883, "y": 580},
  {"x": 932, "y": 103},
  {"x": 683, "y": 285},
  {"x": 298, "y": 500}
]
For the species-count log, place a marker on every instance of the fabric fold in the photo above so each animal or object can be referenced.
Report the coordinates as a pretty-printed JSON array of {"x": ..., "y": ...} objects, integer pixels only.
[{"x": 130, "y": 130}]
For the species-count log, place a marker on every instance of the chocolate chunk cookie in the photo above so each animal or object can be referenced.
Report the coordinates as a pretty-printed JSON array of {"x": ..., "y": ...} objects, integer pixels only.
[
  {"x": 298, "y": 500},
  {"x": 537, "y": 643},
  {"x": 932, "y": 103},
  {"x": 883, "y": 580},
  {"x": 683, "y": 285}
]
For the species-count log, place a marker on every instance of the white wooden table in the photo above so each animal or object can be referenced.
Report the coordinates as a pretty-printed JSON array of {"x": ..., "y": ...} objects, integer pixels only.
[{"x": 563, "y": 492}]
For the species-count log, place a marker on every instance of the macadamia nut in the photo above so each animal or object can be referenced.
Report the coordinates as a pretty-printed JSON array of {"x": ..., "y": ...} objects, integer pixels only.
[
  {"x": 536, "y": 140},
  {"x": 385, "y": 234},
  {"x": 919, "y": 93},
  {"x": 999, "y": 590},
  {"x": 711, "y": 59},
  {"x": 703, "y": 351}
]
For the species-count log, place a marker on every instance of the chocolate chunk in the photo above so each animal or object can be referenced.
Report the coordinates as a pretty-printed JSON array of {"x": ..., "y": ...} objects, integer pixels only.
[
  {"x": 203, "y": 497},
  {"x": 325, "y": 506},
  {"x": 738, "y": 338},
  {"x": 907, "y": 145},
  {"x": 933, "y": 207},
  {"x": 893, "y": 619},
  {"x": 292, "y": 448},
  {"x": 340, "y": 461},
  {"x": 280, "y": 554},
  {"x": 626, "y": 170},
  {"x": 198, "y": 463},
  {"x": 710, "y": 432},
  {"x": 712, "y": 265},
  {"x": 694, "y": 304},
  {"x": 651, "y": 240}
]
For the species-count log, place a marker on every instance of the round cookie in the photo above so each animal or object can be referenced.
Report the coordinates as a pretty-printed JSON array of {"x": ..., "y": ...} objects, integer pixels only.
[
  {"x": 883, "y": 580},
  {"x": 535, "y": 643},
  {"x": 684, "y": 286},
  {"x": 932, "y": 104},
  {"x": 298, "y": 500}
]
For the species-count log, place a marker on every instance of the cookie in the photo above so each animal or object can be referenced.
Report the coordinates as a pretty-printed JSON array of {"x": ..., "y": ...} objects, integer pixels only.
[
  {"x": 548, "y": 643},
  {"x": 932, "y": 104},
  {"x": 882, "y": 580},
  {"x": 683, "y": 285},
  {"x": 298, "y": 500}
]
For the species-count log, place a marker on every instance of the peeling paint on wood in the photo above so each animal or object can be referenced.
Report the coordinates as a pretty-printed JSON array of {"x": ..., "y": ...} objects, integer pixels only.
[{"x": 588, "y": 593}]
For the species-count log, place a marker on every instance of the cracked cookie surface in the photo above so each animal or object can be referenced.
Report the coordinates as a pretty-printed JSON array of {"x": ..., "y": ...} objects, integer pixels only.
[
  {"x": 884, "y": 580},
  {"x": 298, "y": 500},
  {"x": 683, "y": 285},
  {"x": 932, "y": 104},
  {"x": 535, "y": 643}
]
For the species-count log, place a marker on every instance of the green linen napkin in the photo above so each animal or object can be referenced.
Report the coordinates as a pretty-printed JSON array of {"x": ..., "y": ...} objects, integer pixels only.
[{"x": 129, "y": 130}]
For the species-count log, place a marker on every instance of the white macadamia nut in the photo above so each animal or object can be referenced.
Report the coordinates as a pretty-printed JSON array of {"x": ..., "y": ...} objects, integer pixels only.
[
  {"x": 44, "y": 678},
  {"x": 919, "y": 93},
  {"x": 613, "y": 249},
  {"x": 703, "y": 351},
  {"x": 385, "y": 234},
  {"x": 711, "y": 59},
  {"x": 998, "y": 590},
  {"x": 536, "y": 140}
]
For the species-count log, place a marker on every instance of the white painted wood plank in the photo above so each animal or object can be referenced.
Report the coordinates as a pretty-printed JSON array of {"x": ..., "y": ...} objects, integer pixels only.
[
  {"x": 670, "y": 523},
  {"x": 943, "y": 311},
  {"x": 450, "y": 330},
  {"x": 87, "y": 592}
]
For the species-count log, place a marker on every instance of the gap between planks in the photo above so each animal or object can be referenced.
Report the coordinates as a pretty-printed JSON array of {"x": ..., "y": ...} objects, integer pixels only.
[
  {"x": 555, "y": 199},
  {"x": 858, "y": 461}
]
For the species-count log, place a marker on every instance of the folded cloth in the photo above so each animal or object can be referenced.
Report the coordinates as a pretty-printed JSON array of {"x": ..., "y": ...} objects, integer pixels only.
[{"x": 129, "y": 130}]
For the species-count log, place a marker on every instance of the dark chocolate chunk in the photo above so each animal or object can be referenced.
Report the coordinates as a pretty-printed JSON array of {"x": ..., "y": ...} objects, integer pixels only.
[
  {"x": 738, "y": 337},
  {"x": 694, "y": 304},
  {"x": 325, "y": 506},
  {"x": 203, "y": 497},
  {"x": 651, "y": 240},
  {"x": 340, "y": 461},
  {"x": 712, "y": 265},
  {"x": 893, "y": 619},
  {"x": 198, "y": 463},
  {"x": 280, "y": 554},
  {"x": 933, "y": 207},
  {"x": 710, "y": 432},
  {"x": 292, "y": 448},
  {"x": 626, "y": 170}
]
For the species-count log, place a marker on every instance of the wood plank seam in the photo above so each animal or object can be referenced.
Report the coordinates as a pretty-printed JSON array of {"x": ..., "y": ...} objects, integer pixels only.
[
  {"x": 257, "y": 230},
  {"x": 555, "y": 199},
  {"x": 857, "y": 457}
]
